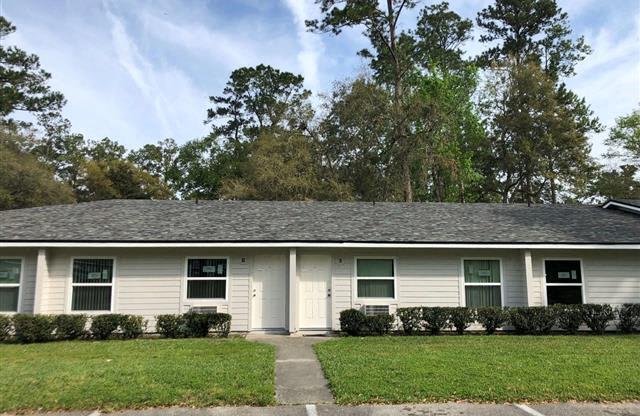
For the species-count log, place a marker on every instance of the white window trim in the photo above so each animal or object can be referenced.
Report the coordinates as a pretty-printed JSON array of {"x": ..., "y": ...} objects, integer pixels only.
[
  {"x": 464, "y": 284},
  {"x": 394, "y": 278},
  {"x": 18, "y": 285},
  {"x": 71, "y": 285},
  {"x": 545, "y": 284},
  {"x": 201, "y": 301}
]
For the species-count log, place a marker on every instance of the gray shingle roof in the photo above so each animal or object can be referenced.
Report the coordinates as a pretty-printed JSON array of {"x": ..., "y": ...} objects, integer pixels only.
[{"x": 244, "y": 221}]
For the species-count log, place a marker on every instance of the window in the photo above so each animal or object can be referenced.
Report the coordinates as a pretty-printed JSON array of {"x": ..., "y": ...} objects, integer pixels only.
[
  {"x": 206, "y": 278},
  {"x": 92, "y": 284},
  {"x": 482, "y": 283},
  {"x": 564, "y": 281},
  {"x": 375, "y": 278},
  {"x": 10, "y": 271}
]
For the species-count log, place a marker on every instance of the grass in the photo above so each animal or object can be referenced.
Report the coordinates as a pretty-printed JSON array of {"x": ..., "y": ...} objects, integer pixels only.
[
  {"x": 482, "y": 368},
  {"x": 135, "y": 374}
]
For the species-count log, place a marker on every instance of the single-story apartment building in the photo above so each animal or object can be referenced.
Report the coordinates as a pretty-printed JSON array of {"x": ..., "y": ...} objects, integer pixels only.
[{"x": 293, "y": 266}]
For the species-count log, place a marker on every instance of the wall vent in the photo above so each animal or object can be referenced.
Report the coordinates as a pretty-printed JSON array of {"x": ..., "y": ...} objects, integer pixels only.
[
  {"x": 376, "y": 310},
  {"x": 204, "y": 309}
]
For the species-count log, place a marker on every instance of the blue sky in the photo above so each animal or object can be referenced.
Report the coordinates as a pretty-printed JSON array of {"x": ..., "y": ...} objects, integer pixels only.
[{"x": 140, "y": 70}]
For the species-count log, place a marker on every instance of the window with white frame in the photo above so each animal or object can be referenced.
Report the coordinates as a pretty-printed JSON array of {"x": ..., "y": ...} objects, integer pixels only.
[
  {"x": 482, "y": 283},
  {"x": 563, "y": 280},
  {"x": 207, "y": 278},
  {"x": 10, "y": 272},
  {"x": 375, "y": 278},
  {"x": 92, "y": 283}
]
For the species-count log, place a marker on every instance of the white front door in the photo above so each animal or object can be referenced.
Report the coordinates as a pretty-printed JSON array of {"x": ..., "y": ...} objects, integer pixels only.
[
  {"x": 315, "y": 291},
  {"x": 268, "y": 292}
]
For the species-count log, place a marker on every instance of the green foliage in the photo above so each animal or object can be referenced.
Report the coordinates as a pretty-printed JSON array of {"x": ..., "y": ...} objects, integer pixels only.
[
  {"x": 379, "y": 324},
  {"x": 629, "y": 317},
  {"x": 70, "y": 326},
  {"x": 104, "y": 326},
  {"x": 624, "y": 138},
  {"x": 617, "y": 183},
  {"x": 461, "y": 318},
  {"x": 33, "y": 328},
  {"x": 532, "y": 319},
  {"x": 221, "y": 324},
  {"x": 535, "y": 30},
  {"x": 132, "y": 326},
  {"x": 491, "y": 318},
  {"x": 436, "y": 318},
  {"x": 171, "y": 326},
  {"x": 197, "y": 324},
  {"x": 569, "y": 317},
  {"x": 24, "y": 82},
  {"x": 352, "y": 321},
  {"x": 6, "y": 327},
  {"x": 26, "y": 182},
  {"x": 411, "y": 319},
  {"x": 597, "y": 317}
]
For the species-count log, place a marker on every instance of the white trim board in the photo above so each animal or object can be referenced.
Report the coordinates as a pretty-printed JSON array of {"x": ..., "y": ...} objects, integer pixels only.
[
  {"x": 622, "y": 205},
  {"x": 541, "y": 246}
]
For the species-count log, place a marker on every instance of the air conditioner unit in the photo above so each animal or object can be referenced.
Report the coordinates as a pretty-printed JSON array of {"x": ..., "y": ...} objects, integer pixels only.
[
  {"x": 204, "y": 309},
  {"x": 376, "y": 309}
]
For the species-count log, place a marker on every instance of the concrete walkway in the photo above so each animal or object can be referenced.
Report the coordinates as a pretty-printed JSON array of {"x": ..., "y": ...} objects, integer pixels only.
[{"x": 299, "y": 377}]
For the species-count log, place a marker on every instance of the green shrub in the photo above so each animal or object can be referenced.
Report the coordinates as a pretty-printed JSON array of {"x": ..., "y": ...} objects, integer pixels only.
[
  {"x": 379, "y": 324},
  {"x": 220, "y": 323},
  {"x": 197, "y": 324},
  {"x": 461, "y": 318},
  {"x": 352, "y": 321},
  {"x": 569, "y": 317},
  {"x": 70, "y": 326},
  {"x": 411, "y": 319},
  {"x": 435, "y": 319},
  {"x": 491, "y": 318},
  {"x": 103, "y": 326},
  {"x": 532, "y": 319},
  {"x": 628, "y": 317},
  {"x": 33, "y": 328},
  {"x": 171, "y": 326},
  {"x": 597, "y": 317},
  {"x": 5, "y": 327},
  {"x": 132, "y": 326}
]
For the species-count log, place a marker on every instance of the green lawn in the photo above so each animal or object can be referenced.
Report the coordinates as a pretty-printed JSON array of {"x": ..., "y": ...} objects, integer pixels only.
[
  {"x": 134, "y": 374},
  {"x": 482, "y": 368}
]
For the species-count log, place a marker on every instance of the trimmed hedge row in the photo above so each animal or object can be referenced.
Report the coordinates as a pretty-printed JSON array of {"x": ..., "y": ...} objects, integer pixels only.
[
  {"x": 193, "y": 324},
  {"x": 29, "y": 328},
  {"x": 532, "y": 320}
]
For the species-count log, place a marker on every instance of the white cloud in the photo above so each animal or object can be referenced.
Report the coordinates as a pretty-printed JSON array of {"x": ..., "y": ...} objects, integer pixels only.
[{"x": 312, "y": 46}]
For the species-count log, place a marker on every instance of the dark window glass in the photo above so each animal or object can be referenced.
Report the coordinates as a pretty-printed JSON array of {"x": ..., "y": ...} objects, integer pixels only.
[
  {"x": 374, "y": 288},
  {"x": 91, "y": 298},
  {"x": 375, "y": 267},
  {"x": 207, "y": 268},
  {"x": 92, "y": 271},
  {"x": 482, "y": 271},
  {"x": 563, "y": 271},
  {"x": 206, "y": 289},
  {"x": 9, "y": 299},
  {"x": 481, "y": 296},
  {"x": 568, "y": 295},
  {"x": 10, "y": 271}
]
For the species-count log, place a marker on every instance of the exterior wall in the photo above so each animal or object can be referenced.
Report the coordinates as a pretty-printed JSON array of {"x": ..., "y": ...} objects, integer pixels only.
[
  {"x": 28, "y": 284},
  {"x": 610, "y": 276},
  {"x": 150, "y": 281}
]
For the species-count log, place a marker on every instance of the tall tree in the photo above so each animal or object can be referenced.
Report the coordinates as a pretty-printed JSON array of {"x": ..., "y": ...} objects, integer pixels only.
[
  {"x": 23, "y": 83},
  {"x": 624, "y": 138},
  {"x": 25, "y": 181},
  {"x": 526, "y": 30},
  {"x": 529, "y": 128},
  {"x": 391, "y": 58},
  {"x": 160, "y": 160},
  {"x": 617, "y": 183}
]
